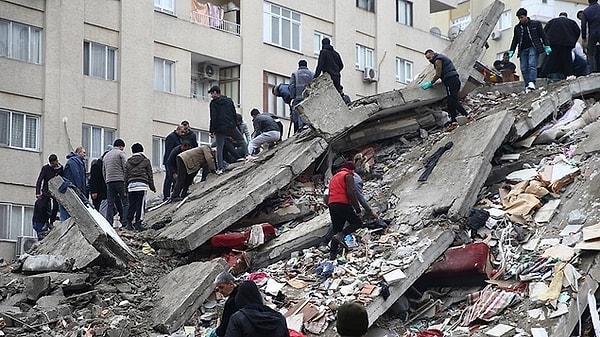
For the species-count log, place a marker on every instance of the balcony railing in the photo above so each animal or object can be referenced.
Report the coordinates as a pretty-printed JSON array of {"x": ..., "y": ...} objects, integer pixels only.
[{"x": 216, "y": 23}]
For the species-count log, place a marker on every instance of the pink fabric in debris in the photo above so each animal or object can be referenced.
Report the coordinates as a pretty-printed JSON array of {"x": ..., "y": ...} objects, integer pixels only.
[{"x": 487, "y": 303}]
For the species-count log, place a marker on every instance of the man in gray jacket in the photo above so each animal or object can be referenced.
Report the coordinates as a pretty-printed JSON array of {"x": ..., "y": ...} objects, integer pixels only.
[
  {"x": 299, "y": 79},
  {"x": 113, "y": 169}
]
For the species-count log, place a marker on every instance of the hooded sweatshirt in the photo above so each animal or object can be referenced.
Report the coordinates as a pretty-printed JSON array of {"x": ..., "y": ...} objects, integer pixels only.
[
  {"x": 74, "y": 171},
  {"x": 329, "y": 62},
  {"x": 254, "y": 319},
  {"x": 222, "y": 114}
]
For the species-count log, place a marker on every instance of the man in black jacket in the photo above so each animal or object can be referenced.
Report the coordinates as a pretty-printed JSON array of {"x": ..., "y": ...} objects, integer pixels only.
[
  {"x": 48, "y": 171},
  {"x": 98, "y": 185},
  {"x": 563, "y": 34},
  {"x": 223, "y": 124},
  {"x": 173, "y": 140},
  {"x": 330, "y": 62},
  {"x": 225, "y": 284},
  {"x": 590, "y": 33},
  {"x": 532, "y": 41}
]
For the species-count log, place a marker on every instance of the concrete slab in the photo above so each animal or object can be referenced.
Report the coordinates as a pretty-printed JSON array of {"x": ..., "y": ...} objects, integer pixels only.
[
  {"x": 453, "y": 185},
  {"x": 307, "y": 234},
  {"x": 182, "y": 292},
  {"x": 93, "y": 226},
  {"x": 208, "y": 212}
]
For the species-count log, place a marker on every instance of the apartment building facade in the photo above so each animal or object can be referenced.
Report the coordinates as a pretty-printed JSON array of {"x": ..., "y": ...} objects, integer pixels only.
[{"x": 83, "y": 73}]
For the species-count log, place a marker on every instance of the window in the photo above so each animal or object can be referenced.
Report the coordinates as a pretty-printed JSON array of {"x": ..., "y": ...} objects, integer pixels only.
[
  {"x": 99, "y": 61},
  {"x": 199, "y": 88},
  {"x": 364, "y": 57},
  {"x": 366, "y": 4},
  {"x": 282, "y": 26},
  {"x": 404, "y": 70},
  {"x": 19, "y": 130},
  {"x": 165, "y": 6},
  {"x": 272, "y": 103},
  {"x": 203, "y": 137},
  {"x": 20, "y": 42},
  {"x": 317, "y": 38},
  {"x": 461, "y": 22},
  {"x": 229, "y": 82},
  {"x": 504, "y": 22},
  {"x": 404, "y": 12},
  {"x": 158, "y": 151},
  {"x": 95, "y": 139},
  {"x": 163, "y": 75},
  {"x": 15, "y": 221}
]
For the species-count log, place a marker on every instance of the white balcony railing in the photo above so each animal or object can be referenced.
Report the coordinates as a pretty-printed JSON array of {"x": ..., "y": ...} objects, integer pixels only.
[{"x": 216, "y": 23}]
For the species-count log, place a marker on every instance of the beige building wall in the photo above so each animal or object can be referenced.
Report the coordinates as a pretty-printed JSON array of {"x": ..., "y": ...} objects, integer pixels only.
[{"x": 64, "y": 98}]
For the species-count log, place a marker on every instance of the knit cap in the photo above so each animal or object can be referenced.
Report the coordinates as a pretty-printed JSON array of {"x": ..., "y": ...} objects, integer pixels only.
[{"x": 352, "y": 320}]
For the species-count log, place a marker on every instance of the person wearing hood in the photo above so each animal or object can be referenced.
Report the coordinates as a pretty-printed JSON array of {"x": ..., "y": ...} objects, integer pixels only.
[
  {"x": 532, "y": 41},
  {"x": 48, "y": 171},
  {"x": 138, "y": 177},
  {"x": 223, "y": 124},
  {"x": 330, "y": 62},
  {"x": 445, "y": 70},
  {"x": 74, "y": 172},
  {"x": 253, "y": 318}
]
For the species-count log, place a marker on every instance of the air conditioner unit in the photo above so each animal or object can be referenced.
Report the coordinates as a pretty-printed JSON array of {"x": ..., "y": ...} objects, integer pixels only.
[
  {"x": 370, "y": 75},
  {"x": 496, "y": 35},
  {"x": 24, "y": 244},
  {"x": 208, "y": 71}
]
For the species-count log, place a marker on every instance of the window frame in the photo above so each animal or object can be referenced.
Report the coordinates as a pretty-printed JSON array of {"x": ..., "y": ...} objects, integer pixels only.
[
  {"x": 505, "y": 16},
  {"x": 93, "y": 150},
  {"x": 294, "y": 27},
  {"x": 403, "y": 63},
  {"x": 10, "y": 140},
  {"x": 88, "y": 47},
  {"x": 317, "y": 38},
  {"x": 6, "y": 222},
  {"x": 368, "y": 5},
  {"x": 162, "y": 6},
  {"x": 364, "y": 57},
  {"x": 34, "y": 53},
  {"x": 171, "y": 75},
  {"x": 408, "y": 10},
  {"x": 461, "y": 22},
  {"x": 158, "y": 152},
  {"x": 272, "y": 103}
]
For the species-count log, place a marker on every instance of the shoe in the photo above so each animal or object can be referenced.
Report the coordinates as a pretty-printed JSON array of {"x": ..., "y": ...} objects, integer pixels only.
[
  {"x": 531, "y": 86},
  {"x": 332, "y": 256},
  {"x": 452, "y": 126},
  {"x": 138, "y": 226},
  {"x": 339, "y": 238},
  {"x": 250, "y": 158},
  {"x": 323, "y": 249},
  {"x": 219, "y": 172},
  {"x": 176, "y": 199}
]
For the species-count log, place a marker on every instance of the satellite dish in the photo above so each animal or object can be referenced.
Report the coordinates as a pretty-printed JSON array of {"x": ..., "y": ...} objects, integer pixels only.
[
  {"x": 453, "y": 32},
  {"x": 435, "y": 31}
]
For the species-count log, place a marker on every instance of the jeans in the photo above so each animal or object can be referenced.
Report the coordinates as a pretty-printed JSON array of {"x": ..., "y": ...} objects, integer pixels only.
[
  {"x": 592, "y": 55},
  {"x": 340, "y": 213},
  {"x": 167, "y": 185},
  {"x": 114, "y": 190},
  {"x": 298, "y": 123},
  {"x": 528, "y": 60},
  {"x": 220, "y": 139},
  {"x": 136, "y": 206},
  {"x": 263, "y": 138},
  {"x": 452, "y": 85}
]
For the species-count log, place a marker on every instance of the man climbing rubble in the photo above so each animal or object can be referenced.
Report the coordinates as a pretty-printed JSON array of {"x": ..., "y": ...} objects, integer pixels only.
[
  {"x": 343, "y": 206},
  {"x": 445, "y": 70}
]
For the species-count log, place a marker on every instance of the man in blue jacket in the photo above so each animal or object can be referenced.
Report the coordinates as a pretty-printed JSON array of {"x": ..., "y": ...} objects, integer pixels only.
[
  {"x": 74, "y": 172},
  {"x": 532, "y": 41}
]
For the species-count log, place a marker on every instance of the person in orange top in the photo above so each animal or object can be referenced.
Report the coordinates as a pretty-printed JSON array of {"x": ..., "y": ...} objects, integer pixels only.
[{"x": 343, "y": 206}]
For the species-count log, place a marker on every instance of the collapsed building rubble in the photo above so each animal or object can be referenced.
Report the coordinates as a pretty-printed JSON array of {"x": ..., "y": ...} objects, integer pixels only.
[{"x": 425, "y": 219}]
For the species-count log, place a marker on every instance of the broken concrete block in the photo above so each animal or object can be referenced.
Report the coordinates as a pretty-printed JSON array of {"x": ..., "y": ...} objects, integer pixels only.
[
  {"x": 93, "y": 227},
  {"x": 49, "y": 302},
  {"x": 500, "y": 330},
  {"x": 36, "y": 286},
  {"x": 46, "y": 263},
  {"x": 182, "y": 292},
  {"x": 576, "y": 217}
]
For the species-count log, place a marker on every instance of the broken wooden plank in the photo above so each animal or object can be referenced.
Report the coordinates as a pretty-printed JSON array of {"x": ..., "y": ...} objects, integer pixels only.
[
  {"x": 92, "y": 225},
  {"x": 307, "y": 234},
  {"x": 454, "y": 183},
  {"x": 325, "y": 111},
  {"x": 216, "y": 206},
  {"x": 182, "y": 292}
]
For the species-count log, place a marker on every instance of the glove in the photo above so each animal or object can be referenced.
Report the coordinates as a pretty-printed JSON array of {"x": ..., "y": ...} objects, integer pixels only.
[
  {"x": 511, "y": 53},
  {"x": 547, "y": 50},
  {"x": 212, "y": 333},
  {"x": 426, "y": 85}
]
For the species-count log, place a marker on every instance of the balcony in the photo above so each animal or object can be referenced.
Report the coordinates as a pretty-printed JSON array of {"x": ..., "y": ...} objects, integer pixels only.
[
  {"x": 442, "y": 5},
  {"x": 224, "y": 18}
]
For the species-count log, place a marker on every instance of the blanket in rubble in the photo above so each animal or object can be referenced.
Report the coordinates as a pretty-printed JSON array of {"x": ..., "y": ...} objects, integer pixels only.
[{"x": 487, "y": 303}]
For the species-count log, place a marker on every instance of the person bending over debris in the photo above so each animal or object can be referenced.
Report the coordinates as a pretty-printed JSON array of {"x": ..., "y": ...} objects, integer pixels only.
[
  {"x": 138, "y": 177},
  {"x": 444, "y": 69},
  {"x": 188, "y": 164},
  {"x": 266, "y": 130},
  {"x": 352, "y": 320},
  {"x": 225, "y": 284},
  {"x": 343, "y": 206},
  {"x": 254, "y": 319}
]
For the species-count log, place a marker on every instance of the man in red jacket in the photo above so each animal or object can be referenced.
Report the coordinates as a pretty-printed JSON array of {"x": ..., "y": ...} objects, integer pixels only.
[{"x": 343, "y": 206}]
